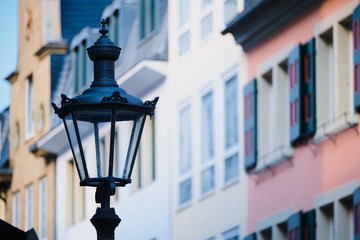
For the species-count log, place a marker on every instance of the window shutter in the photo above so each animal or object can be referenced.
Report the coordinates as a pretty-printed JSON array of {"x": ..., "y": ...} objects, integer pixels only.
[
  {"x": 250, "y": 131},
  {"x": 295, "y": 104},
  {"x": 294, "y": 226},
  {"x": 356, "y": 66},
  {"x": 356, "y": 210},
  {"x": 309, "y": 225},
  {"x": 250, "y": 237},
  {"x": 309, "y": 116}
]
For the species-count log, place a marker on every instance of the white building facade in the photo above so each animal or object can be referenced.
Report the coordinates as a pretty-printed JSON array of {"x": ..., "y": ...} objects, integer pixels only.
[{"x": 208, "y": 184}]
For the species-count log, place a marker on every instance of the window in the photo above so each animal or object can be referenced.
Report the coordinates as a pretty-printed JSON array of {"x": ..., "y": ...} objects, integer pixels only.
[
  {"x": 207, "y": 146},
  {"x": 147, "y": 17},
  {"x": 185, "y": 192},
  {"x": 184, "y": 12},
  {"x": 231, "y": 113},
  {"x": 80, "y": 68},
  {"x": 232, "y": 234},
  {"x": 335, "y": 107},
  {"x": 43, "y": 205},
  {"x": 75, "y": 196},
  {"x": 326, "y": 226},
  {"x": 206, "y": 25},
  {"x": 29, "y": 107},
  {"x": 184, "y": 30},
  {"x": 273, "y": 110},
  {"x": 16, "y": 209},
  {"x": 185, "y": 156},
  {"x": 184, "y": 43},
  {"x": 230, "y": 10},
  {"x": 29, "y": 207},
  {"x": 231, "y": 130}
]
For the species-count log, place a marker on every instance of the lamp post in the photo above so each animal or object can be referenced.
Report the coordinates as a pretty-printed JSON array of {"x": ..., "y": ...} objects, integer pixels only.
[{"x": 104, "y": 107}]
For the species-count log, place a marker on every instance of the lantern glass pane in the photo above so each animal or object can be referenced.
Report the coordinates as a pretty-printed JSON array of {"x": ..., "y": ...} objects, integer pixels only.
[
  {"x": 94, "y": 129},
  {"x": 134, "y": 139},
  {"x": 70, "y": 128},
  {"x": 126, "y": 145}
]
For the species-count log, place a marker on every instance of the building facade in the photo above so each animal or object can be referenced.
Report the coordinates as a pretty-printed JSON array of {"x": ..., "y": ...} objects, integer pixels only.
[
  {"x": 208, "y": 184},
  {"x": 301, "y": 118}
]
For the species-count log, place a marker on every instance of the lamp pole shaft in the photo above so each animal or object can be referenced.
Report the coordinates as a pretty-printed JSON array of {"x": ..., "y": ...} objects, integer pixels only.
[{"x": 105, "y": 221}]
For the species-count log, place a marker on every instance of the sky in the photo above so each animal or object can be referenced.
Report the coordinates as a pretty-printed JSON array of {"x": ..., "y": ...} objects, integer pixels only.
[{"x": 8, "y": 47}]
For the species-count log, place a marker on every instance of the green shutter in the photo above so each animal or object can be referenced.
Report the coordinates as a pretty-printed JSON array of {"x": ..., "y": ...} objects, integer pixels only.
[
  {"x": 308, "y": 98},
  {"x": 295, "y": 103},
  {"x": 152, "y": 15},
  {"x": 252, "y": 236},
  {"x": 309, "y": 223},
  {"x": 294, "y": 226},
  {"x": 142, "y": 24},
  {"x": 250, "y": 126},
  {"x": 356, "y": 64}
]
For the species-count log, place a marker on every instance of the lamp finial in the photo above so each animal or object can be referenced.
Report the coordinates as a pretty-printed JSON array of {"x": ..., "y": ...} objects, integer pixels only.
[{"x": 103, "y": 29}]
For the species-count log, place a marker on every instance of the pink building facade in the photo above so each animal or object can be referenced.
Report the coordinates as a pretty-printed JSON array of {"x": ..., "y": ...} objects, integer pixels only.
[{"x": 301, "y": 105}]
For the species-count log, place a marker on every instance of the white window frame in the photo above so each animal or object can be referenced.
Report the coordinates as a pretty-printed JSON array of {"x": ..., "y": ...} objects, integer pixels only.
[
  {"x": 29, "y": 207},
  {"x": 204, "y": 13},
  {"x": 232, "y": 232},
  {"x": 223, "y": 12},
  {"x": 281, "y": 148},
  {"x": 29, "y": 107},
  {"x": 207, "y": 163},
  {"x": 43, "y": 207},
  {"x": 16, "y": 210},
  {"x": 234, "y": 149},
  {"x": 187, "y": 174},
  {"x": 334, "y": 197},
  {"x": 183, "y": 29},
  {"x": 337, "y": 118}
]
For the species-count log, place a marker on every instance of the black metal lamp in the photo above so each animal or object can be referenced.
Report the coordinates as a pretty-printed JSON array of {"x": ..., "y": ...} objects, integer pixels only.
[{"x": 99, "y": 109}]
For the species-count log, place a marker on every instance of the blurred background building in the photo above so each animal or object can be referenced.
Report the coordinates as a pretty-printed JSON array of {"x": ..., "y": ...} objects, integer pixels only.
[{"x": 255, "y": 135}]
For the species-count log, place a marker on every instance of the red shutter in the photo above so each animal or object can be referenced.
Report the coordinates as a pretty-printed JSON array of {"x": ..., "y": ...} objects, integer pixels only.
[
  {"x": 250, "y": 125},
  {"x": 295, "y": 74}
]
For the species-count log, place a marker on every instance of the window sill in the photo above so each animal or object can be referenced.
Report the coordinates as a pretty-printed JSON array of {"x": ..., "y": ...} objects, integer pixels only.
[
  {"x": 206, "y": 195},
  {"x": 273, "y": 158},
  {"x": 230, "y": 183},
  {"x": 335, "y": 126},
  {"x": 183, "y": 206},
  {"x": 147, "y": 38}
]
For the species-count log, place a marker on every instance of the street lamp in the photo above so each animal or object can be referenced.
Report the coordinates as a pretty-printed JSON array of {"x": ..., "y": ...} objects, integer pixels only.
[{"x": 102, "y": 108}]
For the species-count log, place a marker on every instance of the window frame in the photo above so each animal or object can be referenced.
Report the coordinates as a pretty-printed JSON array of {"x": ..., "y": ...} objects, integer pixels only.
[
  {"x": 16, "y": 209},
  {"x": 43, "y": 209},
  {"x": 29, "y": 107},
  {"x": 207, "y": 163},
  {"x": 342, "y": 120},
  {"x": 282, "y": 149},
  {"x": 234, "y": 149},
  {"x": 185, "y": 175},
  {"x": 29, "y": 206}
]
